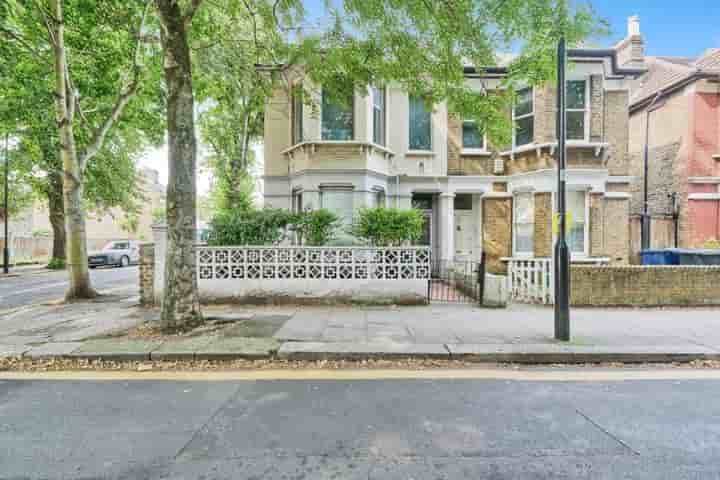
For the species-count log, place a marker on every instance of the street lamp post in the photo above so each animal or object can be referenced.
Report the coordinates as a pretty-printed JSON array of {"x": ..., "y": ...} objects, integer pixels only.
[
  {"x": 562, "y": 254},
  {"x": 6, "y": 210}
]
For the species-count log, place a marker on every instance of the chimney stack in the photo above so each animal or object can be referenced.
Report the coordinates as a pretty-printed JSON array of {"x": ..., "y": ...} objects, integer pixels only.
[{"x": 631, "y": 50}]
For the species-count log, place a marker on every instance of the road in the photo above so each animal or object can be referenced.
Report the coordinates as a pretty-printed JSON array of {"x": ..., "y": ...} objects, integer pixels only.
[
  {"x": 32, "y": 288},
  {"x": 193, "y": 428}
]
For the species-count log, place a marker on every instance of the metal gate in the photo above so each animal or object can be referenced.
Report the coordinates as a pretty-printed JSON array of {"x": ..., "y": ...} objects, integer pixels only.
[{"x": 457, "y": 282}]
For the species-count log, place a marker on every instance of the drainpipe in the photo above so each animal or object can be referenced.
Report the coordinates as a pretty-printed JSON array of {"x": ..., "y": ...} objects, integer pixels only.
[{"x": 645, "y": 218}]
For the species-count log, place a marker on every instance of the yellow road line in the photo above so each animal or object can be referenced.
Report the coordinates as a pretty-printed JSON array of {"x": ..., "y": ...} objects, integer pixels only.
[{"x": 379, "y": 374}]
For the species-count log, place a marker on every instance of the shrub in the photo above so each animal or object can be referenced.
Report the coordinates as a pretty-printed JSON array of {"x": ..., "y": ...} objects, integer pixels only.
[
  {"x": 249, "y": 227},
  {"x": 56, "y": 264},
  {"x": 317, "y": 227},
  {"x": 712, "y": 243},
  {"x": 389, "y": 226}
]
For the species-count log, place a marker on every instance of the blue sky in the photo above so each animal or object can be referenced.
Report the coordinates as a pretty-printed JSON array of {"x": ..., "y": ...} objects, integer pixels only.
[{"x": 670, "y": 27}]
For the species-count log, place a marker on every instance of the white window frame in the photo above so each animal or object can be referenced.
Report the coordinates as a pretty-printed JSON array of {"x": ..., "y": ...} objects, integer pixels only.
[
  {"x": 296, "y": 131},
  {"x": 430, "y": 112},
  {"x": 515, "y": 119},
  {"x": 585, "y": 109},
  {"x": 373, "y": 107},
  {"x": 586, "y": 237},
  {"x": 471, "y": 151},
  {"x": 516, "y": 253}
]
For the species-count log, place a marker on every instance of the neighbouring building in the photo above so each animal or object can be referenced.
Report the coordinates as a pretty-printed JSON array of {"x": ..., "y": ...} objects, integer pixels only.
[
  {"x": 681, "y": 98},
  {"x": 33, "y": 225},
  {"x": 391, "y": 149}
]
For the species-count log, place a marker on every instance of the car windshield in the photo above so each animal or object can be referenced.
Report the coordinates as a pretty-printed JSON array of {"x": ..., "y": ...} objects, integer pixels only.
[{"x": 117, "y": 246}]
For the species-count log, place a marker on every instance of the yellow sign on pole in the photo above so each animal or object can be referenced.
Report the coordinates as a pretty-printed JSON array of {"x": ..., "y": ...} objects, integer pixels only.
[{"x": 556, "y": 223}]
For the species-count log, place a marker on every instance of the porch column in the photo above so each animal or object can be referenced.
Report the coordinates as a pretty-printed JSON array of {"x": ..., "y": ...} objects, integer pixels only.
[{"x": 447, "y": 226}]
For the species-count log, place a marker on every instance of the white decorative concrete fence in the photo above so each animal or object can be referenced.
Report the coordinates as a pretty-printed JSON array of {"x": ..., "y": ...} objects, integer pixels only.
[
  {"x": 305, "y": 274},
  {"x": 531, "y": 281}
]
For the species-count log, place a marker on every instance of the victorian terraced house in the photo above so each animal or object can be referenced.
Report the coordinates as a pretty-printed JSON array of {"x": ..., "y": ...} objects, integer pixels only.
[{"x": 391, "y": 149}]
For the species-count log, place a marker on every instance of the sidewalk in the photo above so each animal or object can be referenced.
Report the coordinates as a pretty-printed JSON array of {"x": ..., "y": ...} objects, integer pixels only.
[
  {"x": 520, "y": 333},
  {"x": 26, "y": 270}
]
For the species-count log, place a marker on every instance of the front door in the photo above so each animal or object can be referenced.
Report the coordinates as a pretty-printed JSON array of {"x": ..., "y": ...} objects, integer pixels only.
[{"x": 463, "y": 235}]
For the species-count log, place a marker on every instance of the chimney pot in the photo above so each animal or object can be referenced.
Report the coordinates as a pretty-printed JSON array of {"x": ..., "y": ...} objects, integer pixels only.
[{"x": 633, "y": 26}]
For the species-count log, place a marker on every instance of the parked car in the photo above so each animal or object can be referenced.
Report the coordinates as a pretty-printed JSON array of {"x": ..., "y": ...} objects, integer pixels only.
[{"x": 118, "y": 254}]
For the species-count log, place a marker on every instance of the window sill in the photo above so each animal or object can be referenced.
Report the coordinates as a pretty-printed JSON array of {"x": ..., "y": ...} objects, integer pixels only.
[
  {"x": 420, "y": 153},
  {"x": 716, "y": 157},
  {"x": 570, "y": 144},
  {"x": 475, "y": 152},
  {"x": 579, "y": 259},
  {"x": 313, "y": 144}
]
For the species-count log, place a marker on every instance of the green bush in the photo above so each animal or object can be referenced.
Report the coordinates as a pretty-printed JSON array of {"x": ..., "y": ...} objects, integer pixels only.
[
  {"x": 712, "y": 243},
  {"x": 316, "y": 227},
  {"x": 249, "y": 227},
  {"x": 56, "y": 264},
  {"x": 384, "y": 227}
]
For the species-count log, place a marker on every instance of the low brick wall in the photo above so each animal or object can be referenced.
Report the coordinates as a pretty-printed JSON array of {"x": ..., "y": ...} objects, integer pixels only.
[
  {"x": 644, "y": 286},
  {"x": 147, "y": 274}
]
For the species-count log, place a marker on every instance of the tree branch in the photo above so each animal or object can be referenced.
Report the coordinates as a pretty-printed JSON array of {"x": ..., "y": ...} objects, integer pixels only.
[
  {"x": 191, "y": 12},
  {"x": 123, "y": 98}
]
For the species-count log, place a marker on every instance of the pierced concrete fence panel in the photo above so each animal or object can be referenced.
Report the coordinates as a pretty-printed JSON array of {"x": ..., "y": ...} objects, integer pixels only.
[{"x": 245, "y": 274}]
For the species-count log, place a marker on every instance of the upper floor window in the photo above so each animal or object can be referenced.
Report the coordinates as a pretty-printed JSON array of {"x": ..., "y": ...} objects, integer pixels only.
[
  {"x": 297, "y": 116},
  {"x": 420, "y": 125},
  {"x": 472, "y": 137},
  {"x": 523, "y": 117},
  {"x": 576, "y": 98},
  {"x": 337, "y": 117},
  {"x": 378, "y": 99},
  {"x": 523, "y": 223}
]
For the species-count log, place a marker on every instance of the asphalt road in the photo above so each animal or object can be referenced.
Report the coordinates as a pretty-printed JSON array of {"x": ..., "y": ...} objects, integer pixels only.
[
  {"x": 32, "y": 288},
  {"x": 361, "y": 429}
]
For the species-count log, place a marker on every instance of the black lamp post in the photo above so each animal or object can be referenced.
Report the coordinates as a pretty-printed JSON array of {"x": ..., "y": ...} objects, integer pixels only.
[
  {"x": 562, "y": 253},
  {"x": 6, "y": 211}
]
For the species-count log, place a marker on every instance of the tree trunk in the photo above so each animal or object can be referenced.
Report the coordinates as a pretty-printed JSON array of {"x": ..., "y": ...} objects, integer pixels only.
[
  {"x": 180, "y": 305},
  {"x": 77, "y": 261},
  {"x": 57, "y": 215}
]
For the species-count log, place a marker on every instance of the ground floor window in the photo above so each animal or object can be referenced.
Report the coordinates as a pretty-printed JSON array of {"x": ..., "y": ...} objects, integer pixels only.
[
  {"x": 523, "y": 223},
  {"x": 576, "y": 206},
  {"x": 340, "y": 202}
]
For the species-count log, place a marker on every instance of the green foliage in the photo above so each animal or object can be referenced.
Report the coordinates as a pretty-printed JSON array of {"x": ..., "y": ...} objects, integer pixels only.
[
  {"x": 158, "y": 216},
  {"x": 249, "y": 227},
  {"x": 712, "y": 243},
  {"x": 317, "y": 227},
  {"x": 389, "y": 226},
  {"x": 41, "y": 232},
  {"x": 424, "y": 46},
  {"x": 56, "y": 264}
]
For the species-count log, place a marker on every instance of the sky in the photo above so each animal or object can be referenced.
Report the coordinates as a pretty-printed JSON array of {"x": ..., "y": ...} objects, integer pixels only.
[{"x": 671, "y": 28}]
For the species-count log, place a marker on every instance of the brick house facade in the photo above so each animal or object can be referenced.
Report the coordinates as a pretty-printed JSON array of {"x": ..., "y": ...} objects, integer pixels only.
[
  {"x": 681, "y": 98},
  {"x": 477, "y": 197}
]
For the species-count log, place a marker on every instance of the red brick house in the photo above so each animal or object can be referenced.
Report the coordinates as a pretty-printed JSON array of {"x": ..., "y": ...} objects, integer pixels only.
[{"x": 681, "y": 98}]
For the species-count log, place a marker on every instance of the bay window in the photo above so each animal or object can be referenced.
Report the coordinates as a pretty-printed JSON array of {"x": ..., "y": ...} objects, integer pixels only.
[
  {"x": 576, "y": 115},
  {"x": 420, "y": 125},
  {"x": 378, "y": 99},
  {"x": 472, "y": 137},
  {"x": 523, "y": 118},
  {"x": 523, "y": 223},
  {"x": 337, "y": 117},
  {"x": 340, "y": 202}
]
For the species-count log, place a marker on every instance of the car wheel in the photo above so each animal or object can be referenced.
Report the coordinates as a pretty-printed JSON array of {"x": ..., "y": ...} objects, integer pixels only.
[{"x": 124, "y": 262}]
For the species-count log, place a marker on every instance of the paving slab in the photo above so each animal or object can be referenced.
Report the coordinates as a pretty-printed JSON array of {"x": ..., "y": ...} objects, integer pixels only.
[
  {"x": 323, "y": 350},
  {"x": 53, "y": 349},
  {"x": 116, "y": 348},
  {"x": 228, "y": 348}
]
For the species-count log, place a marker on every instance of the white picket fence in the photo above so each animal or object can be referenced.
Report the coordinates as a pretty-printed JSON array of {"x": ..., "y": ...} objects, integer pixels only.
[{"x": 531, "y": 281}]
